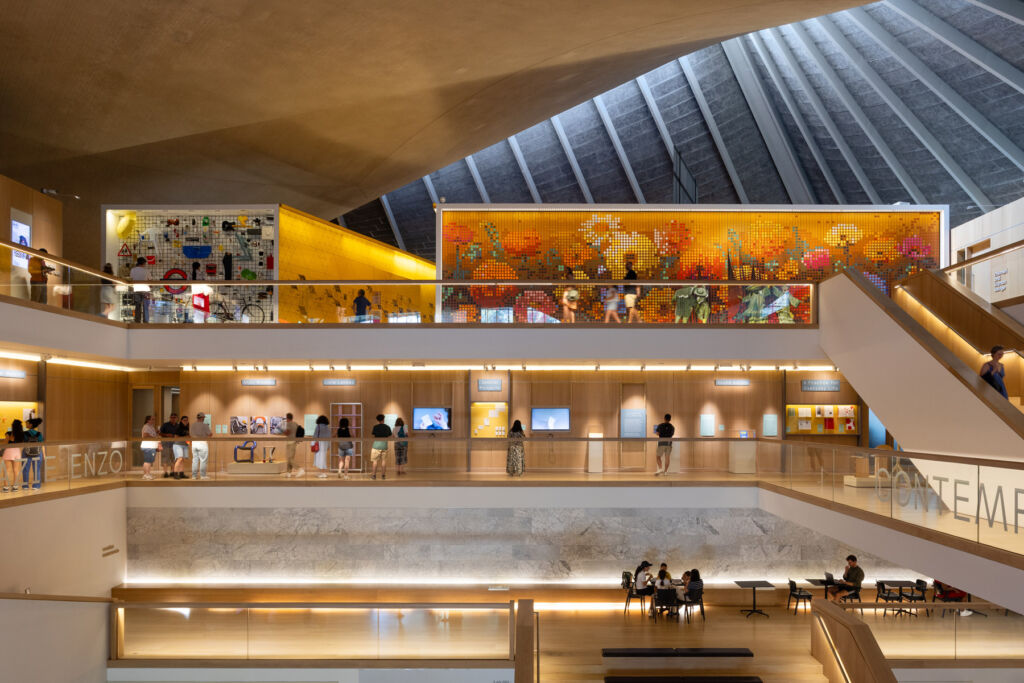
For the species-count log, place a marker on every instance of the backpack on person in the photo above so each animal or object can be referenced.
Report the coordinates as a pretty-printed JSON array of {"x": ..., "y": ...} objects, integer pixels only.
[{"x": 300, "y": 431}]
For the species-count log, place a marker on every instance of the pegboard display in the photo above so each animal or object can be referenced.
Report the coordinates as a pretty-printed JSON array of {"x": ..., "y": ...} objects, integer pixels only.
[
  {"x": 594, "y": 243},
  {"x": 199, "y": 243}
]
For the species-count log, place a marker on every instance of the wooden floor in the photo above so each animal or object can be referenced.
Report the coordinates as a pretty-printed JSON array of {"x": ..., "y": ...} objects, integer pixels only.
[{"x": 571, "y": 643}]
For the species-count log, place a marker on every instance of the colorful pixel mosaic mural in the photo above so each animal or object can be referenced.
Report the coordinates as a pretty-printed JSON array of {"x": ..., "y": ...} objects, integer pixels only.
[{"x": 675, "y": 245}]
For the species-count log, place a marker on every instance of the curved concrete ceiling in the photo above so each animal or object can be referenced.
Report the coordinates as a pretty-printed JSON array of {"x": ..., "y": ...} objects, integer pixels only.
[{"x": 320, "y": 104}]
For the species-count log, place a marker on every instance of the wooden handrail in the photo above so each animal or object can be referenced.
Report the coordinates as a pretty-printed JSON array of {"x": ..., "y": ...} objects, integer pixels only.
[
  {"x": 52, "y": 598},
  {"x": 1012, "y": 331},
  {"x": 1013, "y": 246},
  {"x": 846, "y": 647},
  {"x": 1006, "y": 412}
]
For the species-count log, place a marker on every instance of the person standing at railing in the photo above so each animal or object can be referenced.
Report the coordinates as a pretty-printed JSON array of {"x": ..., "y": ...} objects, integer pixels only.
[
  {"x": 346, "y": 448},
  {"x": 994, "y": 373},
  {"x": 38, "y": 273},
  {"x": 200, "y": 449},
  {"x": 168, "y": 430},
  {"x": 666, "y": 431},
  {"x": 515, "y": 459},
  {"x": 379, "y": 449},
  {"x": 12, "y": 454},
  {"x": 291, "y": 431},
  {"x": 149, "y": 446},
  {"x": 32, "y": 456},
  {"x": 140, "y": 293},
  {"x": 321, "y": 448},
  {"x": 181, "y": 448},
  {"x": 401, "y": 447}
]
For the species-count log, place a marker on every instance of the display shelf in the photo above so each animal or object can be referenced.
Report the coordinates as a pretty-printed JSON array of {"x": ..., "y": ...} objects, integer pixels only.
[
  {"x": 823, "y": 419},
  {"x": 354, "y": 413}
]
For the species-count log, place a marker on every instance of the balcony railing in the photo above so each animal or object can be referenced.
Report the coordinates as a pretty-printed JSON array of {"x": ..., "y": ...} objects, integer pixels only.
[
  {"x": 968, "y": 499},
  {"x": 182, "y": 299}
]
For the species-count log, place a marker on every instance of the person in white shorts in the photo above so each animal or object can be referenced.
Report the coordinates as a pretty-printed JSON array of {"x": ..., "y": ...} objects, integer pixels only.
[{"x": 200, "y": 449}]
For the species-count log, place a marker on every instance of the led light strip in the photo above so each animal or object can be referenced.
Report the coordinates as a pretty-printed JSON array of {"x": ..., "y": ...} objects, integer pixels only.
[{"x": 89, "y": 364}]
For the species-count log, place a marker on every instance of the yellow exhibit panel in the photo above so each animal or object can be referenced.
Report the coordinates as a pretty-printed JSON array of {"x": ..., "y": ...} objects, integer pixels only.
[
  {"x": 17, "y": 410},
  {"x": 315, "y": 249},
  {"x": 837, "y": 420},
  {"x": 488, "y": 420}
]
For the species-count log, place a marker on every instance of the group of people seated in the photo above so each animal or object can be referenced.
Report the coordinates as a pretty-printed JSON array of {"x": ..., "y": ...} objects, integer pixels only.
[{"x": 687, "y": 590}]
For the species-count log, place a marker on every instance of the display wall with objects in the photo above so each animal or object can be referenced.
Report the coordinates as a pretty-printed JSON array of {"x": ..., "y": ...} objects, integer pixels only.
[
  {"x": 763, "y": 244},
  {"x": 259, "y": 243}
]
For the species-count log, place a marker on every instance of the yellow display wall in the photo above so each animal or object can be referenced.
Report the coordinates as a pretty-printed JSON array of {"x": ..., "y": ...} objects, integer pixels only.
[{"x": 314, "y": 249}]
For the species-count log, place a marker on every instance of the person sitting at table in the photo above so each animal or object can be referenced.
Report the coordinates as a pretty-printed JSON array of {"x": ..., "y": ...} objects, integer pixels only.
[
  {"x": 853, "y": 576},
  {"x": 694, "y": 584},
  {"x": 664, "y": 568},
  {"x": 946, "y": 593},
  {"x": 642, "y": 581},
  {"x": 662, "y": 583}
]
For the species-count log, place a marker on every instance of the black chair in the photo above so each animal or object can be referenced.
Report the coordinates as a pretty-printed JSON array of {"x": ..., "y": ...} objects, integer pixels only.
[
  {"x": 936, "y": 596},
  {"x": 666, "y": 600},
  {"x": 918, "y": 594},
  {"x": 797, "y": 594},
  {"x": 886, "y": 595},
  {"x": 692, "y": 601},
  {"x": 630, "y": 588}
]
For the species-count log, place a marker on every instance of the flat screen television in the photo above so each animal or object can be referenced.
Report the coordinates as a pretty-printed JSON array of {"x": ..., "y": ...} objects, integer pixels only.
[
  {"x": 549, "y": 420},
  {"x": 433, "y": 419}
]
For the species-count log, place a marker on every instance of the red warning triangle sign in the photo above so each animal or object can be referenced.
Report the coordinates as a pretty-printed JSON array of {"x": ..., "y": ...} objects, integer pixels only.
[{"x": 124, "y": 250}]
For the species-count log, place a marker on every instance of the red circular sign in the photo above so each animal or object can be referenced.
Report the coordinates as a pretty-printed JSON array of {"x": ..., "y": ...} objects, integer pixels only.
[{"x": 175, "y": 274}]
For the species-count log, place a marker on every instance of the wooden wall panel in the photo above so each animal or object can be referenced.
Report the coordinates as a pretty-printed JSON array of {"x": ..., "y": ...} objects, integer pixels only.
[
  {"x": 86, "y": 404},
  {"x": 13, "y": 389}
]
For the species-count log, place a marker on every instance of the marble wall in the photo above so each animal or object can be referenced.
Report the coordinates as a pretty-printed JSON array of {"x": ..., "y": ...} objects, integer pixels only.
[{"x": 487, "y": 543}]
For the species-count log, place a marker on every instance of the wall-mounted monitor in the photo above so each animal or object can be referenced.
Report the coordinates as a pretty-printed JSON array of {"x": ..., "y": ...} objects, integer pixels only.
[
  {"x": 549, "y": 420},
  {"x": 436, "y": 419}
]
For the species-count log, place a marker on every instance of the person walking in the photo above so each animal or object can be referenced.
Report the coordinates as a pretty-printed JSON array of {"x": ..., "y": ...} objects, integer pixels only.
[
  {"x": 346, "y": 448},
  {"x": 611, "y": 304},
  {"x": 379, "y": 451},
  {"x": 994, "y": 373},
  {"x": 631, "y": 295},
  {"x": 108, "y": 293},
  {"x": 291, "y": 432},
  {"x": 149, "y": 446},
  {"x": 664, "y": 453},
  {"x": 322, "y": 447},
  {"x": 140, "y": 293},
  {"x": 515, "y": 458},
  {"x": 361, "y": 305},
  {"x": 570, "y": 299},
  {"x": 401, "y": 447},
  {"x": 38, "y": 273},
  {"x": 181, "y": 448},
  {"x": 201, "y": 448}
]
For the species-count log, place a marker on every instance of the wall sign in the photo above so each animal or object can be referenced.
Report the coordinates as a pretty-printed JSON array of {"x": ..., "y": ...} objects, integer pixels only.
[
  {"x": 819, "y": 385},
  {"x": 489, "y": 384},
  {"x": 732, "y": 382},
  {"x": 21, "y": 233},
  {"x": 633, "y": 423},
  {"x": 12, "y": 374},
  {"x": 347, "y": 382},
  {"x": 259, "y": 383}
]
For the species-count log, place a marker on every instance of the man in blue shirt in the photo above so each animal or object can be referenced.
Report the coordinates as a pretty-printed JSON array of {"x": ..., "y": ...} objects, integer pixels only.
[{"x": 362, "y": 304}]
